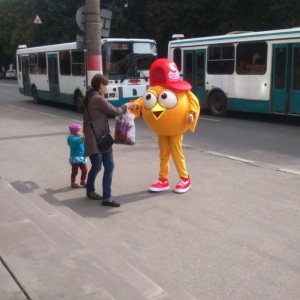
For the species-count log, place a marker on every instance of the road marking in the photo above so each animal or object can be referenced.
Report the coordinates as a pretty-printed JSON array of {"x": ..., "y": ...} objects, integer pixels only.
[
  {"x": 76, "y": 120},
  {"x": 239, "y": 159},
  {"x": 43, "y": 113},
  {"x": 208, "y": 119},
  {"x": 48, "y": 114},
  {"x": 290, "y": 171},
  {"x": 250, "y": 162},
  {"x": 21, "y": 108},
  {"x": 7, "y": 84}
]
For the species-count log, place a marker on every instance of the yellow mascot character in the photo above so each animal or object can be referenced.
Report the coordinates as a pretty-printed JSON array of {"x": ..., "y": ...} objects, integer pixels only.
[{"x": 169, "y": 108}]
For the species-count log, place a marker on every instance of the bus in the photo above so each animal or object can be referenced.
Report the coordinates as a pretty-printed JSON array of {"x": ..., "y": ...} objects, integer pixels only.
[
  {"x": 242, "y": 71},
  {"x": 59, "y": 72}
]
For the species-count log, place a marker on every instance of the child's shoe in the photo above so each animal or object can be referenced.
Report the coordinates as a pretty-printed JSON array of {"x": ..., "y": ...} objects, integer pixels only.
[
  {"x": 74, "y": 185},
  {"x": 83, "y": 183},
  {"x": 183, "y": 185},
  {"x": 159, "y": 186}
]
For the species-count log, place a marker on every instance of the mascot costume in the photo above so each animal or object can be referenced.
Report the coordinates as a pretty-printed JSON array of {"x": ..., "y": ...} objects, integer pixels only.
[{"x": 169, "y": 109}]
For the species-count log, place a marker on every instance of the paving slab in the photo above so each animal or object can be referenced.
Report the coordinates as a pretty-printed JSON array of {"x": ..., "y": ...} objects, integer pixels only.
[
  {"x": 9, "y": 289},
  {"x": 85, "y": 251},
  {"x": 40, "y": 266}
]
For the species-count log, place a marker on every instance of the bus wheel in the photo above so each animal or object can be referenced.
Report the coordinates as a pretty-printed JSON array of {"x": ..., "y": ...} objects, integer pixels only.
[
  {"x": 217, "y": 104},
  {"x": 35, "y": 97},
  {"x": 79, "y": 102}
]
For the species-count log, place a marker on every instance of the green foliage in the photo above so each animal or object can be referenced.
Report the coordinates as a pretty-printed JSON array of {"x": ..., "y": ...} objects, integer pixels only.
[
  {"x": 155, "y": 19},
  {"x": 17, "y": 27}
]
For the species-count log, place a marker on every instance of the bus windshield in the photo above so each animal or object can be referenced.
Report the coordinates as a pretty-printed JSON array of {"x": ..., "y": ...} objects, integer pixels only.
[{"x": 127, "y": 59}]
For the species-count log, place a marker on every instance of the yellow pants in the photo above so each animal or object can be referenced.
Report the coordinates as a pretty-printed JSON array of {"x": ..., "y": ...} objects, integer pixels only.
[{"x": 171, "y": 145}]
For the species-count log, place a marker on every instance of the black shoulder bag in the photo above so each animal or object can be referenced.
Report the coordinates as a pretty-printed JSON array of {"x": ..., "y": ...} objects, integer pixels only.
[{"x": 105, "y": 141}]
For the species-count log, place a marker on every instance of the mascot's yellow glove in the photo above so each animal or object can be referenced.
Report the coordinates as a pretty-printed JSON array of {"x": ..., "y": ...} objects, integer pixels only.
[
  {"x": 195, "y": 109},
  {"x": 139, "y": 106}
]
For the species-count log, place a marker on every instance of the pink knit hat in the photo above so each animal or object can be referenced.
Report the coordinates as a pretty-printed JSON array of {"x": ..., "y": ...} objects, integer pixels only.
[{"x": 74, "y": 127}]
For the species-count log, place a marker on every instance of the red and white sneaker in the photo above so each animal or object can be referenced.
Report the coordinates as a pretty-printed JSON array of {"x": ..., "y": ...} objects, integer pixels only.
[
  {"x": 159, "y": 186},
  {"x": 183, "y": 185}
]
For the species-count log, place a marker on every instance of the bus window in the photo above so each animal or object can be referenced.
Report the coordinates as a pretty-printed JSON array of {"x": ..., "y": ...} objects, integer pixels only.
[
  {"x": 251, "y": 58},
  {"x": 189, "y": 67},
  {"x": 116, "y": 57},
  {"x": 280, "y": 68},
  {"x": 42, "y": 63},
  {"x": 200, "y": 69},
  {"x": 123, "y": 59},
  {"x": 65, "y": 63},
  {"x": 78, "y": 66},
  {"x": 220, "y": 59},
  {"x": 296, "y": 77},
  {"x": 177, "y": 58},
  {"x": 144, "y": 48},
  {"x": 19, "y": 63},
  {"x": 241, "y": 67},
  {"x": 33, "y": 67},
  {"x": 144, "y": 54}
]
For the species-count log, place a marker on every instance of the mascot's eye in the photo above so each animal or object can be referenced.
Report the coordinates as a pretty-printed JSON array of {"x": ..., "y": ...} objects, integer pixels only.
[
  {"x": 167, "y": 99},
  {"x": 149, "y": 100}
]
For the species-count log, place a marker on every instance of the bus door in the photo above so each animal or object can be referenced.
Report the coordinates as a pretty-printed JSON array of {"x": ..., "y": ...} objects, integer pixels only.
[
  {"x": 194, "y": 72},
  {"x": 295, "y": 90},
  {"x": 286, "y": 79},
  {"x": 53, "y": 76},
  {"x": 25, "y": 75}
]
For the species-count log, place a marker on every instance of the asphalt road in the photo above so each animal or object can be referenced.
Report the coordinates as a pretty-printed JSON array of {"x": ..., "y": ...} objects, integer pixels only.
[{"x": 234, "y": 235}]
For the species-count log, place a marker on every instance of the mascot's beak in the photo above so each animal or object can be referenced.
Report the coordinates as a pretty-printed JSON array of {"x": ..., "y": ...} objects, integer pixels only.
[{"x": 158, "y": 111}]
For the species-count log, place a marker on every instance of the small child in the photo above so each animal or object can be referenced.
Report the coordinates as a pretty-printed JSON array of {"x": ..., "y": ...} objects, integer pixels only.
[{"x": 77, "y": 160}]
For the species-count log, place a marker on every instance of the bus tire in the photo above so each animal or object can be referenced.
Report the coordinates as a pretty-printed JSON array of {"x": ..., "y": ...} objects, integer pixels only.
[
  {"x": 79, "y": 102},
  {"x": 35, "y": 96},
  {"x": 217, "y": 104}
]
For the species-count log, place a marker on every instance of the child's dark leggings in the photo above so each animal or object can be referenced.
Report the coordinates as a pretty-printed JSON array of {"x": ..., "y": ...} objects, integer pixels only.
[{"x": 84, "y": 170}]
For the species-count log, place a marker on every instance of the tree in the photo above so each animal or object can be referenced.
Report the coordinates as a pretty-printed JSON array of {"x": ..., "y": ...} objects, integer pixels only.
[
  {"x": 155, "y": 19},
  {"x": 17, "y": 27}
]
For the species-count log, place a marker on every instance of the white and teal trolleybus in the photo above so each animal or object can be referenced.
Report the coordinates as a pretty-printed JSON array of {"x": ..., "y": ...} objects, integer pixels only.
[
  {"x": 243, "y": 71},
  {"x": 59, "y": 72}
]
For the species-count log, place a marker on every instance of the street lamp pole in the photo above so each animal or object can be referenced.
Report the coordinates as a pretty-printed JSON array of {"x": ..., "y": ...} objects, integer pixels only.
[{"x": 93, "y": 38}]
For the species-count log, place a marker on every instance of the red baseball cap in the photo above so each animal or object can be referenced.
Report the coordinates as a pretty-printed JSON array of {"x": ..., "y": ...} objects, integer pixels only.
[{"x": 164, "y": 72}]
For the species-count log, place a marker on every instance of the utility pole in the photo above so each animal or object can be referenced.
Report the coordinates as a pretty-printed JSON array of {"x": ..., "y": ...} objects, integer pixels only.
[{"x": 93, "y": 38}]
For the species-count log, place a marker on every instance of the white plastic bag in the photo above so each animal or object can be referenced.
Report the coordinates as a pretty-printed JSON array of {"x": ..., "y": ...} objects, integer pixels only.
[{"x": 125, "y": 129}]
